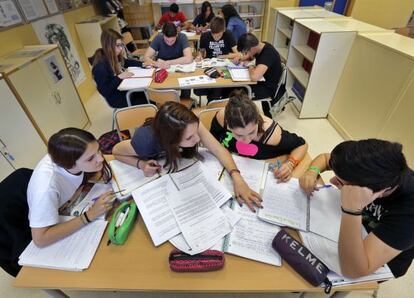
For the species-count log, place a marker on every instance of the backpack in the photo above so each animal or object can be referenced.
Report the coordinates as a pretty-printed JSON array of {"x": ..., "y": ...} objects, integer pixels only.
[{"x": 108, "y": 140}]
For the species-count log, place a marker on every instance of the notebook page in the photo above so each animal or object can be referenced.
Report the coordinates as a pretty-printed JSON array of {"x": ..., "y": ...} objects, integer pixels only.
[
  {"x": 252, "y": 238},
  {"x": 239, "y": 74},
  {"x": 129, "y": 84},
  {"x": 201, "y": 221},
  {"x": 73, "y": 253},
  {"x": 141, "y": 72},
  {"x": 284, "y": 203}
]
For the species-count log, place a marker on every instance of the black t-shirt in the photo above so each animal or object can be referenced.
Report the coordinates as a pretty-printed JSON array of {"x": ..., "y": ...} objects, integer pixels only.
[
  {"x": 201, "y": 21},
  {"x": 216, "y": 48},
  {"x": 391, "y": 219},
  {"x": 256, "y": 150},
  {"x": 269, "y": 57}
]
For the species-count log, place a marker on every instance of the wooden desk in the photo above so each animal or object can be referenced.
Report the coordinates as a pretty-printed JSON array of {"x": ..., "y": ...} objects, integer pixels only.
[
  {"x": 139, "y": 266},
  {"x": 172, "y": 82}
]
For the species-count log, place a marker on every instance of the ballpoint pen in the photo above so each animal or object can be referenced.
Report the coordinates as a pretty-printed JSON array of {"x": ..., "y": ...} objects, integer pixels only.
[
  {"x": 324, "y": 186},
  {"x": 119, "y": 191}
]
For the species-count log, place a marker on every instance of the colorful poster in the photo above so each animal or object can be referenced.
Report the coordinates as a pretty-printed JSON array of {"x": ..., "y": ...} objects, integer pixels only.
[{"x": 53, "y": 30}]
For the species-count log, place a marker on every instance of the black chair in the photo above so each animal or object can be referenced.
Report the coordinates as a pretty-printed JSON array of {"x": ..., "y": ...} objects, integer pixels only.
[{"x": 15, "y": 232}]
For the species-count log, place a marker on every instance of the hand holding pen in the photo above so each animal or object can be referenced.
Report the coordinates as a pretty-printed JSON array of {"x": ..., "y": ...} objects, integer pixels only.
[
  {"x": 149, "y": 167},
  {"x": 102, "y": 204},
  {"x": 283, "y": 172}
]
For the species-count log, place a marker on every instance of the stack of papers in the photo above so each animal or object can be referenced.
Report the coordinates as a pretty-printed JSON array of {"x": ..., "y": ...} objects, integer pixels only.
[
  {"x": 215, "y": 62},
  {"x": 196, "y": 80},
  {"x": 141, "y": 72},
  {"x": 239, "y": 74},
  {"x": 73, "y": 253},
  {"x": 131, "y": 83},
  {"x": 191, "y": 67}
]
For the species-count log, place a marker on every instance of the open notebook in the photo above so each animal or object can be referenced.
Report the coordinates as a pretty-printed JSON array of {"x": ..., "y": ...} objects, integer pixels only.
[
  {"x": 134, "y": 83},
  {"x": 73, "y": 253},
  {"x": 285, "y": 204}
]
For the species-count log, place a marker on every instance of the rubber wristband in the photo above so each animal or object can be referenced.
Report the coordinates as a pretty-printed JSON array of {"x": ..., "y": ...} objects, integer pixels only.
[
  {"x": 138, "y": 164},
  {"x": 315, "y": 169},
  {"x": 351, "y": 212},
  {"x": 83, "y": 220},
  {"x": 86, "y": 217},
  {"x": 233, "y": 171}
]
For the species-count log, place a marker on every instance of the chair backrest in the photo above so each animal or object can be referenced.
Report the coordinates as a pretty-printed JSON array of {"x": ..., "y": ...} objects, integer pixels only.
[
  {"x": 133, "y": 117},
  {"x": 160, "y": 97},
  {"x": 15, "y": 231},
  {"x": 282, "y": 79},
  {"x": 207, "y": 115},
  {"x": 221, "y": 103}
]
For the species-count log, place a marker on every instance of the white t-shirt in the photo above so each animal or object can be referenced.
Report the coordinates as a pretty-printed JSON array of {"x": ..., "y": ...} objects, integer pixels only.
[{"x": 49, "y": 188}]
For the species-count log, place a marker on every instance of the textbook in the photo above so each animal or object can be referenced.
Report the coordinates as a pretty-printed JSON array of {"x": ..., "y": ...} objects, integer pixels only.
[
  {"x": 327, "y": 251},
  {"x": 73, "y": 253},
  {"x": 286, "y": 204},
  {"x": 153, "y": 205}
]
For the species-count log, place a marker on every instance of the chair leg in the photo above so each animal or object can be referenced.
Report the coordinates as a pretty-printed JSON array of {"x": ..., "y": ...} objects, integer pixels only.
[
  {"x": 56, "y": 293},
  {"x": 339, "y": 294}
]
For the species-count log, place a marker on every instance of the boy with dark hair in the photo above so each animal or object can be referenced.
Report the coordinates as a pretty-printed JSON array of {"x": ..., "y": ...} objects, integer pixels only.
[
  {"x": 173, "y": 15},
  {"x": 268, "y": 66},
  {"x": 377, "y": 191}
]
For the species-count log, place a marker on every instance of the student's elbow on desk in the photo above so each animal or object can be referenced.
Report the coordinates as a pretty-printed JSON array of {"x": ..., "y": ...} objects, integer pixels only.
[
  {"x": 255, "y": 78},
  {"x": 39, "y": 237}
]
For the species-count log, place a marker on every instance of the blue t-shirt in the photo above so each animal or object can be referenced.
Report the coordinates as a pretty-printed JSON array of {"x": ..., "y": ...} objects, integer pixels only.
[
  {"x": 166, "y": 52},
  {"x": 145, "y": 144},
  {"x": 237, "y": 27}
]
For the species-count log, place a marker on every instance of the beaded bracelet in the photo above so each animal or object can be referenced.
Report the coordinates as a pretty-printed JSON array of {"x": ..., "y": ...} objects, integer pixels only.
[
  {"x": 293, "y": 160},
  {"x": 315, "y": 169}
]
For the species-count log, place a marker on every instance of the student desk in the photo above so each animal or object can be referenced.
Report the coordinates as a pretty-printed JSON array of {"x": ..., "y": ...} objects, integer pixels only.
[
  {"x": 172, "y": 82},
  {"x": 139, "y": 266}
]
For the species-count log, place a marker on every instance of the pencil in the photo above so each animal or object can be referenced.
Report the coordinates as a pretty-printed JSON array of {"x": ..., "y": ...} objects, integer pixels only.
[{"x": 221, "y": 174}]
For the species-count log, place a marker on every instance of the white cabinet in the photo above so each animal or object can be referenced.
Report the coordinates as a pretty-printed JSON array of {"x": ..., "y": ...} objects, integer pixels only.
[
  {"x": 317, "y": 54},
  {"x": 43, "y": 87},
  {"x": 20, "y": 143}
]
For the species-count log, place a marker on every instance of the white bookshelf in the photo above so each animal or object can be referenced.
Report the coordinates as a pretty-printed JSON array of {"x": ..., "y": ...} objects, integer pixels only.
[
  {"x": 284, "y": 24},
  {"x": 316, "y": 57}
]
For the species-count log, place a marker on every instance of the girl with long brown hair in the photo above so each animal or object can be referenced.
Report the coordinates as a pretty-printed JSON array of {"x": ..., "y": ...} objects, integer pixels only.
[
  {"x": 73, "y": 158},
  {"x": 243, "y": 130},
  {"x": 175, "y": 132},
  {"x": 109, "y": 69}
]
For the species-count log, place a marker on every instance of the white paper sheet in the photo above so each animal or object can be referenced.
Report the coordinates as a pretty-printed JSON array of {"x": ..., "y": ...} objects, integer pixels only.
[
  {"x": 155, "y": 211},
  {"x": 284, "y": 203},
  {"x": 195, "y": 80},
  {"x": 73, "y": 253},
  {"x": 141, "y": 72},
  {"x": 129, "y": 84},
  {"x": 201, "y": 221}
]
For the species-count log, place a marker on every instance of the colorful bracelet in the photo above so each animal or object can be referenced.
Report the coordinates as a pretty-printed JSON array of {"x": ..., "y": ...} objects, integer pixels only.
[
  {"x": 315, "y": 169},
  {"x": 233, "y": 171},
  {"x": 351, "y": 212},
  {"x": 293, "y": 160}
]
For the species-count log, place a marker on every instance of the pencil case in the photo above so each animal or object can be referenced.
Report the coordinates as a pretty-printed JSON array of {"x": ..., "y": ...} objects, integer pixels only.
[
  {"x": 209, "y": 260},
  {"x": 302, "y": 260},
  {"x": 119, "y": 228}
]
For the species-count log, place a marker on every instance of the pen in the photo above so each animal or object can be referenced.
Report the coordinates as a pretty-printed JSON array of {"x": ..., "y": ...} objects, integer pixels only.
[
  {"x": 324, "y": 186},
  {"x": 119, "y": 191},
  {"x": 221, "y": 174}
]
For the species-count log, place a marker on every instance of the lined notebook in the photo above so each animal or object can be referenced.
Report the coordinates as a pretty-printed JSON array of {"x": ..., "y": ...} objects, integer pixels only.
[
  {"x": 134, "y": 83},
  {"x": 73, "y": 253}
]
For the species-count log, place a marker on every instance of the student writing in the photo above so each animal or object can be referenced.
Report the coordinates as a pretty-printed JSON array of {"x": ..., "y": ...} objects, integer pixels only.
[
  {"x": 377, "y": 191},
  {"x": 175, "y": 132},
  {"x": 241, "y": 129},
  {"x": 73, "y": 158}
]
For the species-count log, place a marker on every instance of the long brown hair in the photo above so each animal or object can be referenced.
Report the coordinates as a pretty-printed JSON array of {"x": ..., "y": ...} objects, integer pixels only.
[
  {"x": 68, "y": 145},
  {"x": 169, "y": 124},
  {"x": 108, "y": 43},
  {"x": 241, "y": 110}
]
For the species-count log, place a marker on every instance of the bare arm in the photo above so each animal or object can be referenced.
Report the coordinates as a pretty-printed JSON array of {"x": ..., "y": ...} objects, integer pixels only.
[
  {"x": 241, "y": 189},
  {"x": 284, "y": 173},
  {"x": 358, "y": 256},
  {"x": 257, "y": 72},
  {"x": 308, "y": 180},
  {"x": 48, "y": 235},
  {"x": 148, "y": 57}
]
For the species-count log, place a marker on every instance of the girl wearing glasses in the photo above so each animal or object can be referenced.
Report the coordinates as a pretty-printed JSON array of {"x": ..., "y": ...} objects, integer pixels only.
[
  {"x": 175, "y": 133},
  {"x": 73, "y": 158},
  {"x": 109, "y": 69}
]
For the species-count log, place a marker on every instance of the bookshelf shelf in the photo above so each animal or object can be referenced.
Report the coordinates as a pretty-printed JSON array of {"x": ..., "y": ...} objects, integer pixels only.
[
  {"x": 283, "y": 52},
  {"x": 300, "y": 74},
  {"x": 306, "y": 51}
]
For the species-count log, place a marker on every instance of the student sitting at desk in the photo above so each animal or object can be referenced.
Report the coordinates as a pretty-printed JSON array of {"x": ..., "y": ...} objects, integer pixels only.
[
  {"x": 377, "y": 191},
  {"x": 176, "y": 132},
  {"x": 203, "y": 19},
  {"x": 241, "y": 129},
  {"x": 73, "y": 158},
  {"x": 109, "y": 69},
  {"x": 173, "y": 15},
  {"x": 268, "y": 66},
  {"x": 169, "y": 48},
  {"x": 217, "y": 43},
  {"x": 234, "y": 22}
]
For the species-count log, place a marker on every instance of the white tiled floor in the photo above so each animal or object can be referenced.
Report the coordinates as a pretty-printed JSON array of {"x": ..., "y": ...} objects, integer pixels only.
[{"x": 321, "y": 137}]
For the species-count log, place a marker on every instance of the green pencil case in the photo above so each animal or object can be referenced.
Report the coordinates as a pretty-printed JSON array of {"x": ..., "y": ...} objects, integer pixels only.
[{"x": 122, "y": 222}]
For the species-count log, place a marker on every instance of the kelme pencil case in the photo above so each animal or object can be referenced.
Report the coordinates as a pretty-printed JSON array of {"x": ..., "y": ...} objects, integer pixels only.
[{"x": 209, "y": 260}]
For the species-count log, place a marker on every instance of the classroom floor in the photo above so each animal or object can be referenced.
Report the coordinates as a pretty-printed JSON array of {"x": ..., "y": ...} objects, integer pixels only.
[{"x": 321, "y": 137}]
